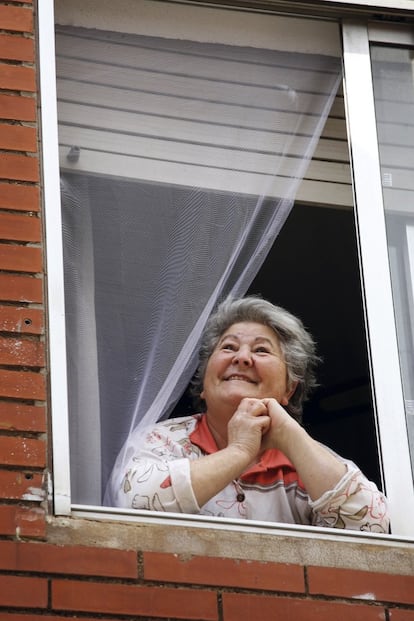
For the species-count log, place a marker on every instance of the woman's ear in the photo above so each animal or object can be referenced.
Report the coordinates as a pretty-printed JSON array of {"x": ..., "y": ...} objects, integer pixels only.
[{"x": 289, "y": 393}]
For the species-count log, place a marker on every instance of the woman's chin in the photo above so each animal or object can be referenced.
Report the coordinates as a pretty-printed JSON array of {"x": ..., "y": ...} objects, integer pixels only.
[{"x": 237, "y": 393}]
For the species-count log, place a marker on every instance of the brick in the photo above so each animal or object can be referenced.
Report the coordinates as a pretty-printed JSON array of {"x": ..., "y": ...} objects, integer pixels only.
[
  {"x": 21, "y": 320},
  {"x": 21, "y": 417},
  {"x": 16, "y": 227},
  {"x": 17, "y": 108},
  {"x": 19, "y": 451},
  {"x": 81, "y": 560},
  {"x": 122, "y": 599},
  {"x": 27, "y": 352},
  {"x": 21, "y": 592},
  {"x": 19, "y": 197},
  {"x": 18, "y": 19},
  {"x": 22, "y": 385},
  {"x": 5, "y": 616},
  {"x": 243, "y": 607},
  {"x": 20, "y": 288},
  {"x": 24, "y": 521},
  {"x": 18, "y": 138},
  {"x": 21, "y": 352},
  {"x": 13, "y": 616},
  {"x": 16, "y": 48},
  {"x": 361, "y": 585},
  {"x": 17, "y": 78},
  {"x": 396, "y": 614},
  {"x": 17, "y": 485},
  {"x": 20, "y": 258},
  {"x": 223, "y": 572},
  {"x": 19, "y": 167}
]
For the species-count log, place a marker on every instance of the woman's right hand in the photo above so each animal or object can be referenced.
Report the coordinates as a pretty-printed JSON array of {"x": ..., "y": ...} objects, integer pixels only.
[
  {"x": 211, "y": 473},
  {"x": 247, "y": 426}
]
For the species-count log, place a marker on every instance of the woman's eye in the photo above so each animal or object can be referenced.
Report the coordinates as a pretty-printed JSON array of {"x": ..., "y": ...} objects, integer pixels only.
[
  {"x": 229, "y": 346},
  {"x": 261, "y": 350}
]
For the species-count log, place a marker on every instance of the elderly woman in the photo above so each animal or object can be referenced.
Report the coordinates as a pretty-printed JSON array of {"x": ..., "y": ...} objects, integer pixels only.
[{"x": 247, "y": 456}]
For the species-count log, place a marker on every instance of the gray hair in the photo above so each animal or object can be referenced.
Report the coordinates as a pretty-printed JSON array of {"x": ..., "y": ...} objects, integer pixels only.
[{"x": 298, "y": 346}]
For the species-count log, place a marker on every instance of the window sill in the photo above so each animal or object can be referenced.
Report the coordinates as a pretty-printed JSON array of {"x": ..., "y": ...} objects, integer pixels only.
[{"x": 221, "y": 537}]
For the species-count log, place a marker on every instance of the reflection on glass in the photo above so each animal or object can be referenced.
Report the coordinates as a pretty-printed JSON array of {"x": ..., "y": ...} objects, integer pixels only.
[{"x": 394, "y": 106}]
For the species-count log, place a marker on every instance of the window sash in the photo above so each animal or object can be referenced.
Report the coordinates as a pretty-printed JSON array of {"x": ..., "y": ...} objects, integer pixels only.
[
  {"x": 54, "y": 259},
  {"x": 385, "y": 369}
]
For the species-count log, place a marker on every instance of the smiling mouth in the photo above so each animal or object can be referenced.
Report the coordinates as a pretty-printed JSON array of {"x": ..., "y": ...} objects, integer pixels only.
[{"x": 240, "y": 378}]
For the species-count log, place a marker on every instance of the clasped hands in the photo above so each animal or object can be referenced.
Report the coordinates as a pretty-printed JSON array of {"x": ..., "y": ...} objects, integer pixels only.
[{"x": 259, "y": 424}]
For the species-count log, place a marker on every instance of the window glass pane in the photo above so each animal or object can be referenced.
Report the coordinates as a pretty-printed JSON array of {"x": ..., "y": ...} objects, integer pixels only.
[
  {"x": 394, "y": 102},
  {"x": 180, "y": 160}
]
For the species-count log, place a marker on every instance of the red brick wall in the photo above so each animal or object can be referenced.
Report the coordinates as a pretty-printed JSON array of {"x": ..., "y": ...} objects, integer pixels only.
[
  {"x": 40, "y": 581},
  {"x": 22, "y": 345}
]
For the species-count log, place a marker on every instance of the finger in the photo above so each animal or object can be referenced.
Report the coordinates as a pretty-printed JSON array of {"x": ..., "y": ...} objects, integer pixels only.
[
  {"x": 265, "y": 423},
  {"x": 270, "y": 401},
  {"x": 250, "y": 417},
  {"x": 253, "y": 406},
  {"x": 273, "y": 407}
]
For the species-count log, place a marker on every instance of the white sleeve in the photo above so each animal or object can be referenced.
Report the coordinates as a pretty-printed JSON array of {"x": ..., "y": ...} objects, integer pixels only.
[
  {"x": 354, "y": 503},
  {"x": 156, "y": 476},
  {"x": 181, "y": 485}
]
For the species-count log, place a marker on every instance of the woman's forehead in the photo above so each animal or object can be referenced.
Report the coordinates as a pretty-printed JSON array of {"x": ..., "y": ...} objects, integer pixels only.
[{"x": 250, "y": 330}]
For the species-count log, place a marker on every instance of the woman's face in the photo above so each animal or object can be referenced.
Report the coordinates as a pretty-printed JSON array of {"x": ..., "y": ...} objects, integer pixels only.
[{"x": 247, "y": 362}]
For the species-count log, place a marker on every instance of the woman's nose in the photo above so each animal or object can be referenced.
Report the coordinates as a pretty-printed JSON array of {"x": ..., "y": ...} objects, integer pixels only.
[{"x": 243, "y": 356}]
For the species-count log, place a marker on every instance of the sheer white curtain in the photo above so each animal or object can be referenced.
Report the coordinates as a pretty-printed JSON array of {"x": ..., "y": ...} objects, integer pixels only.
[{"x": 187, "y": 160}]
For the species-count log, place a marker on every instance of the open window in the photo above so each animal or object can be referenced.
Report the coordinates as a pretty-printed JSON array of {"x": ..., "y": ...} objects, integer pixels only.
[
  {"x": 156, "y": 129},
  {"x": 313, "y": 270},
  {"x": 180, "y": 159}
]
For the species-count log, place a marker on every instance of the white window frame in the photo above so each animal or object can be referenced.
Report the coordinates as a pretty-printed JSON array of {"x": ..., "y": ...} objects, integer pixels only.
[
  {"x": 54, "y": 258},
  {"x": 385, "y": 368},
  {"x": 386, "y": 375}
]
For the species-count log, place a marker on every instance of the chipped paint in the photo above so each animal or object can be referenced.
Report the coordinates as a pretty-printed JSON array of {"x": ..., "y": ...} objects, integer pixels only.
[
  {"x": 370, "y": 596},
  {"x": 34, "y": 493},
  {"x": 31, "y": 516}
]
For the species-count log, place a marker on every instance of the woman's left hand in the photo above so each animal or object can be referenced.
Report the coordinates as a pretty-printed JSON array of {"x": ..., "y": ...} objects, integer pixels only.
[
  {"x": 281, "y": 423},
  {"x": 318, "y": 468}
]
